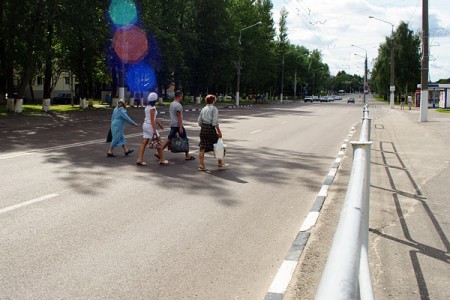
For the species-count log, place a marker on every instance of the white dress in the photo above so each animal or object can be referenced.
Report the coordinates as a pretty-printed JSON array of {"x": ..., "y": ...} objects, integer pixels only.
[{"x": 147, "y": 126}]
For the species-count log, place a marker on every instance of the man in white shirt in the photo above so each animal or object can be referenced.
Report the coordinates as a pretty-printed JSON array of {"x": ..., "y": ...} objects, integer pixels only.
[{"x": 176, "y": 122}]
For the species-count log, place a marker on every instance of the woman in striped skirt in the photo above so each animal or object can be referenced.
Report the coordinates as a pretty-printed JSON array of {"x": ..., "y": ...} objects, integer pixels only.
[{"x": 210, "y": 130}]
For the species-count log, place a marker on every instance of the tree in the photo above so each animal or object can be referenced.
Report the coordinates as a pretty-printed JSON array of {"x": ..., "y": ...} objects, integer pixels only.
[
  {"x": 407, "y": 59},
  {"x": 283, "y": 43},
  {"x": 407, "y": 62}
]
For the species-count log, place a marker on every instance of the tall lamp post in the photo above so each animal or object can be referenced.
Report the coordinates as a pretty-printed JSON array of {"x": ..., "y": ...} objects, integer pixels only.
[
  {"x": 314, "y": 79},
  {"x": 366, "y": 86},
  {"x": 392, "y": 87},
  {"x": 239, "y": 62}
]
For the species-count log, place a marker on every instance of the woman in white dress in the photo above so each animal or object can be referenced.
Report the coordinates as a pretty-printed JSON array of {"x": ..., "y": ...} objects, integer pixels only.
[{"x": 150, "y": 133}]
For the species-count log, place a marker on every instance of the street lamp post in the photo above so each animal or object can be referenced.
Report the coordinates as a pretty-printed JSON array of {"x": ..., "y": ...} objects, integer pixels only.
[
  {"x": 239, "y": 62},
  {"x": 392, "y": 87},
  {"x": 314, "y": 79},
  {"x": 366, "y": 86}
]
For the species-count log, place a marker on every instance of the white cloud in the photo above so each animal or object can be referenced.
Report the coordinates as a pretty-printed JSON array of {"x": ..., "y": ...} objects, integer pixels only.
[{"x": 332, "y": 26}]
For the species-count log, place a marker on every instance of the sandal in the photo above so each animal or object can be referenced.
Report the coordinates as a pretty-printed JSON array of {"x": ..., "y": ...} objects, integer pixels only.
[
  {"x": 190, "y": 158},
  {"x": 110, "y": 154},
  {"x": 223, "y": 165},
  {"x": 202, "y": 168},
  {"x": 141, "y": 163},
  {"x": 164, "y": 163},
  {"x": 128, "y": 152}
]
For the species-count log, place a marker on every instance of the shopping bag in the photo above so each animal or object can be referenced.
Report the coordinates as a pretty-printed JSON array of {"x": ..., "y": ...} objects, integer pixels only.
[
  {"x": 179, "y": 144},
  {"x": 219, "y": 149}
]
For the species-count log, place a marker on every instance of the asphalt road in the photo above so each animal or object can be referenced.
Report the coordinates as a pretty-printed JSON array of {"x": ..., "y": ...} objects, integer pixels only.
[{"x": 76, "y": 224}]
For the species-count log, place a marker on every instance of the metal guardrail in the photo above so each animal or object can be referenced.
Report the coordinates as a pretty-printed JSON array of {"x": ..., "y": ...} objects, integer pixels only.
[{"x": 346, "y": 275}]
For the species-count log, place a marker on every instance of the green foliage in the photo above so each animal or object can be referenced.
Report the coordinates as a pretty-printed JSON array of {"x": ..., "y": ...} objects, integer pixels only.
[
  {"x": 407, "y": 62},
  {"x": 347, "y": 82},
  {"x": 196, "y": 42}
]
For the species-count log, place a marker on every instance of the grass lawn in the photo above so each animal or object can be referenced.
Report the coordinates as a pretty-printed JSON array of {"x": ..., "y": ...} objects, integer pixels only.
[
  {"x": 445, "y": 111},
  {"x": 37, "y": 109}
]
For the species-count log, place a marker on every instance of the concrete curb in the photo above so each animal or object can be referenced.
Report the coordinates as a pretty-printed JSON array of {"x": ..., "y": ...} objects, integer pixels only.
[{"x": 284, "y": 275}]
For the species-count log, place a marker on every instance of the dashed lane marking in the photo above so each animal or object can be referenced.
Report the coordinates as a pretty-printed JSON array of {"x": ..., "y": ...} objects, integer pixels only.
[{"x": 26, "y": 203}]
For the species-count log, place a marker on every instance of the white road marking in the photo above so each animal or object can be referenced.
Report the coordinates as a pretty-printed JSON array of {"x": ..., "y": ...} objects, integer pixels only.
[
  {"x": 332, "y": 172},
  {"x": 310, "y": 220},
  {"x": 283, "y": 277},
  {"x": 256, "y": 131},
  {"x": 73, "y": 145},
  {"x": 26, "y": 203},
  {"x": 323, "y": 191}
]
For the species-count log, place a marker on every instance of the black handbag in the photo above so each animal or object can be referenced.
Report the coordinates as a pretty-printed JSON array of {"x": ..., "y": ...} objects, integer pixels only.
[
  {"x": 109, "y": 137},
  {"x": 179, "y": 144}
]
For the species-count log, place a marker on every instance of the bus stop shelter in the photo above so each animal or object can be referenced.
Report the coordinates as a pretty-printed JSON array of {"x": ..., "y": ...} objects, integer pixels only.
[{"x": 439, "y": 95}]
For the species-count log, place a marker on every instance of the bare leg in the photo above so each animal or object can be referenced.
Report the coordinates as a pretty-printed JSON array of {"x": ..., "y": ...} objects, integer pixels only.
[
  {"x": 160, "y": 154},
  {"x": 125, "y": 148},
  {"x": 166, "y": 143},
  {"x": 144, "y": 143},
  {"x": 201, "y": 157},
  {"x": 110, "y": 150}
]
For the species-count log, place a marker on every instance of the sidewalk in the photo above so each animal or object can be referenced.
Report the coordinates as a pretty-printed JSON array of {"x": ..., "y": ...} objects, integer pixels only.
[{"x": 409, "y": 214}]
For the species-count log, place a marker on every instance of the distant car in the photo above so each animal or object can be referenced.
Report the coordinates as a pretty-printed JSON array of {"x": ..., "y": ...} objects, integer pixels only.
[
  {"x": 308, "y": 99},
  {"x": 330, "y": 98},
  {"x": 315, "y": 98},
  {"x": 351, "y": 100},
  {"x": 62, "y": 99},
  {"x": 338, "y": 98},
  {"x": 323, "y": 99}
]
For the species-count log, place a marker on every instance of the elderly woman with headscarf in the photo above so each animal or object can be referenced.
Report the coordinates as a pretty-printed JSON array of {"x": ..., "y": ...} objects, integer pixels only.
[{"x": 119, "y": 119}]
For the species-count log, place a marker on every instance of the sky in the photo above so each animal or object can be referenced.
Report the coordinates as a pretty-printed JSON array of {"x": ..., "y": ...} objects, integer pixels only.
[{"x": 333, "y": 26}]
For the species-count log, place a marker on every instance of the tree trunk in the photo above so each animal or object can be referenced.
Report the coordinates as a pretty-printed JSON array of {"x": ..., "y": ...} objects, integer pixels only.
[
  {"x": 26, "y": 75},
  {"x": 30, "y": 85},
  {"x": 48, "y": 63}
]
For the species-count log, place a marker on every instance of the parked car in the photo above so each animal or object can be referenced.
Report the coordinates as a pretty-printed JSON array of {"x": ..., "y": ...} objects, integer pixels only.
[
  {"x": 315, "y": 98},
  {"x": 338, "y": 98},
  {"x": 308, "y": 99},
  {"x": 330, "y": 98},
  {"x": 323, "y": 99},
  {"x": 62, "y": 99},
  {"x": 351, "y": 100}
]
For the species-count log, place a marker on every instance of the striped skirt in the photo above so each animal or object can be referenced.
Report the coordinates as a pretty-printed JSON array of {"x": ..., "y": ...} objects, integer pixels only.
[{"x": 208, "y": 137}]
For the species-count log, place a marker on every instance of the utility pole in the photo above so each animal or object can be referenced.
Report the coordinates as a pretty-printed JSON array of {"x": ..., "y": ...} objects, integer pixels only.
[
  {"x": 392, "y": 84},
  {"x": 282, "y": 79},
  {"x": 295, "y": 84},
  {"x": 425, "y": 62},
  {"x": 239, "y": 63}
]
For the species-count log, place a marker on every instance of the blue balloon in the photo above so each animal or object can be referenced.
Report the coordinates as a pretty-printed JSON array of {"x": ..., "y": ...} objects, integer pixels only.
[{"x": 140, "y": 78}]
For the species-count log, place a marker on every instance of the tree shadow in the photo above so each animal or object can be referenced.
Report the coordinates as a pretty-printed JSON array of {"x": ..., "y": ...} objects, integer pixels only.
[
  {"x": 419, "y": 248},
  {"x": 74, "y": 144}
]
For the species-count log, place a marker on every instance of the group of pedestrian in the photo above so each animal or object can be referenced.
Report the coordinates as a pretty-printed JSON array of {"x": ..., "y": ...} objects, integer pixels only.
[
  {"x": 402, "y": 102},
  {"x": 208, "y": 120}
]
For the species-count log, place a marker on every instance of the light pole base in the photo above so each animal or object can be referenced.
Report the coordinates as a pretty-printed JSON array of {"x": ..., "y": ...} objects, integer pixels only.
[{"x": 392, "y": 99}]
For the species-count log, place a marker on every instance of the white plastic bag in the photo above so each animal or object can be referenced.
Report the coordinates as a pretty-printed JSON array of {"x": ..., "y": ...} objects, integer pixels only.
[{"x": 219, "y": 149}]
